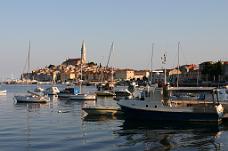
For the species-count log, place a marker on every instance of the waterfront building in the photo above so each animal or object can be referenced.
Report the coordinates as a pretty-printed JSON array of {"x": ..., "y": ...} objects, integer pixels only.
[
  {"x": 67, "y": 76},
  {"x": 124, "y": 74},
  {"x": 139, "y": 74}
]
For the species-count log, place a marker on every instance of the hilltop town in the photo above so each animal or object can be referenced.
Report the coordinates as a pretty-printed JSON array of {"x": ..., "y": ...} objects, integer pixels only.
[{"x": 69, "y": 71}]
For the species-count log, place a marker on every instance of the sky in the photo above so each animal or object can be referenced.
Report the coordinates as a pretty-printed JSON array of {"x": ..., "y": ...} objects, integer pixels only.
[{"x": 56, "y": 29}]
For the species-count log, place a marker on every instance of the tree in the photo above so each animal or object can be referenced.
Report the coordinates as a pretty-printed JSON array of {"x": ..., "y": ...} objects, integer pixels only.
[{"x": 212, "y": 71}]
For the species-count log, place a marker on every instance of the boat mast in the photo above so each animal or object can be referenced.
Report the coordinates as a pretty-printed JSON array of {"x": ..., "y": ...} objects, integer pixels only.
[
  {"x": 29, "y": 57},
  {"x": 82, "y": 55},
  {"x": 110, "y": 53},
  {"x": 151, "y": 63},
  {"x": 178, "y": 64},
  {"x": 27, "y": 63}
]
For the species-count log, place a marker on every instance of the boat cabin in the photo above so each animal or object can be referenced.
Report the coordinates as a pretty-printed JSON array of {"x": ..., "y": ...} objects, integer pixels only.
[{"x": 188, "y": 96}]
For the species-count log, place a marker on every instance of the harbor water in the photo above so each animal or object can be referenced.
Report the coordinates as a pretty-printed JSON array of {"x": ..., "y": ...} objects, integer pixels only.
[{"x": 61, "y": 125}]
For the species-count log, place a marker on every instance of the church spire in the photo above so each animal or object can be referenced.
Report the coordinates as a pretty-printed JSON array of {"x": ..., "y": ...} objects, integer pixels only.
[{"x": 83, "y": 53}]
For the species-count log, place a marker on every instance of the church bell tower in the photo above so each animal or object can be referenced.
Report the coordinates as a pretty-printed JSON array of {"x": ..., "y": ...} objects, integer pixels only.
[{"x": 83, "y": 53}]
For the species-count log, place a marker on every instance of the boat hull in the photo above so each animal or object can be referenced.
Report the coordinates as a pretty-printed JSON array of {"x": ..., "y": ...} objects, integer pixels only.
[
  {"x": 170, "y": 116},
  {"x": 29, "y": 99},
  {"x": 147, "y": 111},
  {"x": 102, "y": 111}
]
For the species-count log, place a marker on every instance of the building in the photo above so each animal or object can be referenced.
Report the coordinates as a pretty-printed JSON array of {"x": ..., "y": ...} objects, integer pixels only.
[
  {"x": 72, "y": 62},
  {"x": 67, "y": 76},
  {"x": 124, "y": 74},
  {"x": 141, "y": 73}
]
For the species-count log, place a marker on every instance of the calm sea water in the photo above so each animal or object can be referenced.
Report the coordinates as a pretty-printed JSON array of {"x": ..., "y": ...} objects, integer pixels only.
[{"x": 42, "y": 127}]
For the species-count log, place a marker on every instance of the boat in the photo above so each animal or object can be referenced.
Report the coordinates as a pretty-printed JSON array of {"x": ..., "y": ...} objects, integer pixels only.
[
  {"x": 102, "y": 110},
  {"x": 3, "y": 92},
  {"x": 53, "y": 90},
  {"x": 145, "y": 110},
  {"x": 68, "y": 92},
  {"x": 83, "y": 96},
  {"x": 105, "y": 89},
  {"x": 105, "y": 93},
  {"x": 170, "y": 111},
  {"x": 32, "y": 98},
  {"x": 122, "y": 93}
]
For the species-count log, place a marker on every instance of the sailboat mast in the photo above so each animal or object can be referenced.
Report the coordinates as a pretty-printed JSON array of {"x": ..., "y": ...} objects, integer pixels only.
[
  {"x": 110, "y": 53},
  {"x": 29, "y": 57},
  {"x": 82, "y": 57},
  {"x": 151, "y": 63},
  {"x": 178, "y": 63}
]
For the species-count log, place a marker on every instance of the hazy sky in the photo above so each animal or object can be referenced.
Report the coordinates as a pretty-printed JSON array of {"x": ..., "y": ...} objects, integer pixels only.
[{"x": 56, "y": 29}]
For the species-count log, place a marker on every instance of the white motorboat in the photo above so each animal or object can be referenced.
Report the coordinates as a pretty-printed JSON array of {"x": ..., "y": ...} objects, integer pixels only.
[
  {"x": 83, "y": 96},
  {"x": 32, "y": 98},
  {"x": 3, "y": 92},
  {"x": 53, "y": 90},
  {"x": 68, "y": 92}
]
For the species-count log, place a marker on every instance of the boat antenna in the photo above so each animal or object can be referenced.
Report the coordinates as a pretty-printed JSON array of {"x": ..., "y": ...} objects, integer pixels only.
[{"x": 164, "y": 62}]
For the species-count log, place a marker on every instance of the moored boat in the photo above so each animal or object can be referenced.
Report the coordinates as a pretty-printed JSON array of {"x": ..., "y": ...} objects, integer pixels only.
[
  {"x": 32, "y": 98},
  {"x": 102, "y": 110},
  {"x": 83, "y": 96},
  {"x": 53, "y": 90},
  {"x": 148, "y": 110},
  {"x": 68, "y": 92}
]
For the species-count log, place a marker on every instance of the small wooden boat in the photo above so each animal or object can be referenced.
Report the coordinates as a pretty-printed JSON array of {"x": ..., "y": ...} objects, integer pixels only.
[
  {"x": 32, "y": 98},
  {"x": 102, "y": 110}
]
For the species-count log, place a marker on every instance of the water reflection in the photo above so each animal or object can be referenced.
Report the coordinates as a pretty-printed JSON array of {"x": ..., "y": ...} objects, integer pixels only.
[{"x": 169, "y": 136}]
